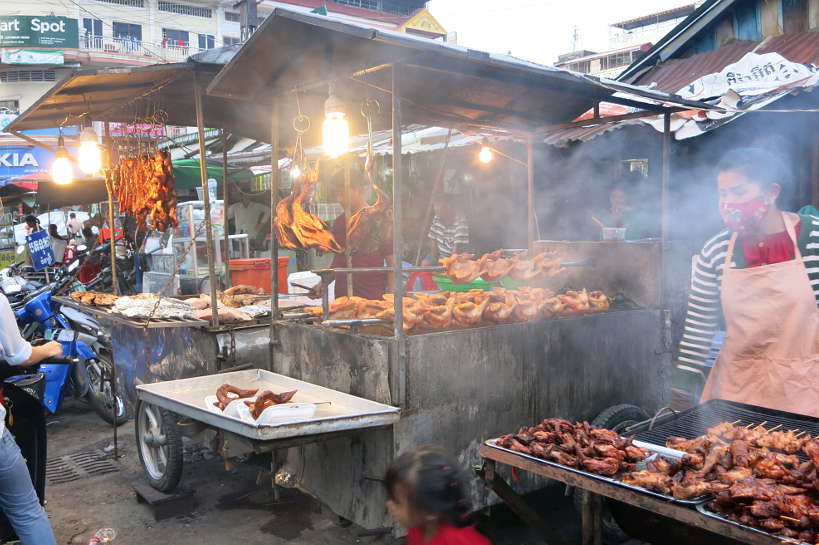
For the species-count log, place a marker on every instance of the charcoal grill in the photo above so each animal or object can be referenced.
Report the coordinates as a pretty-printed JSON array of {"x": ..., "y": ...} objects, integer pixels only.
[{"x": 696, "y": 421}]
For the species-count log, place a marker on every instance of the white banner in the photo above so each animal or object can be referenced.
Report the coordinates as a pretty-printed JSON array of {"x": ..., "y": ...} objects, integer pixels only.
[
  {"x": 750, "y": 83},
  {"x": 31, "y": 56}
]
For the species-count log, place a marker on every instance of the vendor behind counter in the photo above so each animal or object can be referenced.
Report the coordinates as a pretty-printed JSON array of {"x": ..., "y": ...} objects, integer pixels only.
[{"x": 626, "y": 209}]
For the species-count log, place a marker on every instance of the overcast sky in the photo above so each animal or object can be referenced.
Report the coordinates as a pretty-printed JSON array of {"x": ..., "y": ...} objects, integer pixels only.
[{"x": 539, "y": 30}]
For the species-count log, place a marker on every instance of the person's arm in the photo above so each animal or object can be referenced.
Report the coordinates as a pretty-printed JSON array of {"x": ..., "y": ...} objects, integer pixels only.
[
  {"x": 701, "y": 321},
  {"x": 16, "y": 350}
]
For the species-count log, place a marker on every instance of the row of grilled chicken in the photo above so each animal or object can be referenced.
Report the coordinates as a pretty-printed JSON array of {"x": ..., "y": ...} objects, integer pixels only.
[
  {"x": 491, "y": 267},
  {"x": 444, "y": 310}
]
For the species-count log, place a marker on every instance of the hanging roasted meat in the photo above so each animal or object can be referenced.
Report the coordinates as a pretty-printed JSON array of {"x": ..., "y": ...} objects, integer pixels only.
[
  {"x": 145, "y": 188},
  {"x": 298, "y": 228},
  {"x": 368, "y": 228}
]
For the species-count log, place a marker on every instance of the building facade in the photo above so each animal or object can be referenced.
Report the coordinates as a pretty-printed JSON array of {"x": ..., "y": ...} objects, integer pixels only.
[{"x": 628, "y": 41}]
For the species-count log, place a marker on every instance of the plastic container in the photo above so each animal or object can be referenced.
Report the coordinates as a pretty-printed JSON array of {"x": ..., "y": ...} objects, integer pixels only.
[
  {"x": 445, "y": 284},
  {"x": 614, "y": 233},
  {"x": 256, "y": 272}
]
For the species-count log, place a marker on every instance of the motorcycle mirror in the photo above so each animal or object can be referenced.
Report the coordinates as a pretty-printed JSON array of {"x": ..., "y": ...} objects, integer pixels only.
[
  {"x": 73, "y": 265},
  {"x": 21, "y": 249},
  {"x": 82, "y": 248}
]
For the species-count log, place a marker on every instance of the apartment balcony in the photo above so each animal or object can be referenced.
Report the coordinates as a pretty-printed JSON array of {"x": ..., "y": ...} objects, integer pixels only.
[{"x": 132, "y": 50}]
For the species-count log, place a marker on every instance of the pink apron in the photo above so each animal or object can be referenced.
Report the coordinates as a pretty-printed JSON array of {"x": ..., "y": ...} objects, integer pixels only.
[{"x": 770, "y": 356}]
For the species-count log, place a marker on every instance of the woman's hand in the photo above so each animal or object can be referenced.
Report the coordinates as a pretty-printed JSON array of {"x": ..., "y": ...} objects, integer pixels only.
[{"x": 51, "y": 349}]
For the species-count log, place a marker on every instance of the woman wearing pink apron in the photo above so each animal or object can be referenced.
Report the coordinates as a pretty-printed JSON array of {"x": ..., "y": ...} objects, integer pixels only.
[{"x": 759, "y": 271}]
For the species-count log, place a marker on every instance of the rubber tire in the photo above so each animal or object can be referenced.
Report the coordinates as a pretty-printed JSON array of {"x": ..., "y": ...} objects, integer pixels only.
[
  {"x": 614, "y": 418},
  {"x": 173, "y": 470},
  {"x": 98, "y": 403}
]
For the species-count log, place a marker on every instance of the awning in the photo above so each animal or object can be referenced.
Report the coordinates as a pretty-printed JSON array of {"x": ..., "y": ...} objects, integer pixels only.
[
  {"x": 186, "y": 172},
  {"x": 50, "y": 195},
  {"x": 441, "y": 83}
]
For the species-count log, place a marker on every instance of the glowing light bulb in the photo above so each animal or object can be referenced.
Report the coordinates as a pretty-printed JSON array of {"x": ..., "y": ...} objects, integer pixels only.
[
  {"x": 295, "y": 172},
  {"x": 486, "y": 155},
  {"x": 89, "y": 156},
  {"x": 336, "y": 134},
  {"x": 61, "y": 170}
]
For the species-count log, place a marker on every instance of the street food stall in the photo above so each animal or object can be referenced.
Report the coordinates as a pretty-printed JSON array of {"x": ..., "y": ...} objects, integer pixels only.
[
  {"x": 456, "y": 385},
  {"x": 584, "y": 327}
]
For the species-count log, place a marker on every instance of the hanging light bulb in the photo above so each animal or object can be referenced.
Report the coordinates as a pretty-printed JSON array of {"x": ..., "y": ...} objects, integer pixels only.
[
  {"x": 485, "y": 156},
  {"x": 336, "y": 128},
  {"x": 89, "y": 156},
  {"x": 61, "y": 170},
  {"x": 295, "y": 172}
]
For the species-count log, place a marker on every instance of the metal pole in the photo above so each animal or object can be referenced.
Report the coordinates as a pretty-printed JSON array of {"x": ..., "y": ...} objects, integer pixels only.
[
  {"x": 225, "y": 203},
  {"x": 397, "y": 239},
  {"x": 274, "y": 241},
  {"x": 665, "y": 174},
  {"x": 111, "y": 226},
  {"x": 203, "y": 174},
  {"x": 109, "y": 188},
  {"x": 530, "y": 193},
  {"x": 348, "y": 213}
]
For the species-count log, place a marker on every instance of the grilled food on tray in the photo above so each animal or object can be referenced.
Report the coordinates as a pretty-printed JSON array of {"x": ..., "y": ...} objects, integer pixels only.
[
  {"x": 777, "y": 492},
  {"x": 224, "y": 397},
  {"x": 444, "y": 310},
  {"x": 491, "y": 267},
  {"x": 268, "y": 399},
  {"x": 94, "y": 298},
  {"x": 580, "y": 445}
]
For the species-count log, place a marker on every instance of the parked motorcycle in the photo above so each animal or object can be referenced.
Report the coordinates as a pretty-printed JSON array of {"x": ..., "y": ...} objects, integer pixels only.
[{"x": 91, "y": 377}]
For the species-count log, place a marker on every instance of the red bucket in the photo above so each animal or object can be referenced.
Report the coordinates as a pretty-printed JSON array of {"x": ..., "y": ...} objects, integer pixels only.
[{"x": 256, "y": 272}]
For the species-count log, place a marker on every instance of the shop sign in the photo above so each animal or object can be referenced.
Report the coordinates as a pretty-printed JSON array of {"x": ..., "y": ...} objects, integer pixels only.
[
  {"x": 32, "y": 56},
  {"x": 39, "y": 248},
  {"x": 39, "y": 31},
  {"x": 18, "y": 161}
]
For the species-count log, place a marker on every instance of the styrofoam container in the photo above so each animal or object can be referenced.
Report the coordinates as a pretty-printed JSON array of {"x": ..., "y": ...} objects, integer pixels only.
[
  {"x": 276, "y": 414},
  {"x": 235, "y": 408}
]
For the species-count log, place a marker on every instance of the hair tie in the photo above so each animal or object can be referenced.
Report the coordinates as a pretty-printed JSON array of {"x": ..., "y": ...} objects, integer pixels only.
[
  {"x": 446, "y": 468},
  {"x": 453, "y": 484},
  {"x": 461, "y": 501}
]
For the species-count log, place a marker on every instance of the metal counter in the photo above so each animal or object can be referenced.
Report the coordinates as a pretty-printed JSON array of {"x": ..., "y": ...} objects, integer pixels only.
[{"x": 462, "y": 387}]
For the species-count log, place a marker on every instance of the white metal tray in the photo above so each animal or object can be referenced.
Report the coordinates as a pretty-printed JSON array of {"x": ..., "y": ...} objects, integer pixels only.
[{"x": 344, "y": 412}]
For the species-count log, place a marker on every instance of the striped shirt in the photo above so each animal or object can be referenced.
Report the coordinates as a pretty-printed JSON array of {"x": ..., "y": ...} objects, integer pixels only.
[
  {"x": 447, "y": 236},
  {"x": 704, "y": 306}
]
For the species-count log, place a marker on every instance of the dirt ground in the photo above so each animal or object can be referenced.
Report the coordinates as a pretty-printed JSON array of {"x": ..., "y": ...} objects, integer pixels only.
[{"x": 229, "y": 508}]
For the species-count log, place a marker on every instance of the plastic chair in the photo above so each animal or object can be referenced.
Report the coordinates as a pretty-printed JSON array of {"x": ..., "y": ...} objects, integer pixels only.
[{"x": 427, "y": 283}]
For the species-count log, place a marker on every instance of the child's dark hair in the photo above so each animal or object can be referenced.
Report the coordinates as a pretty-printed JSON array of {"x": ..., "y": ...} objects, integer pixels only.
[{"x": 435, "y": 483}]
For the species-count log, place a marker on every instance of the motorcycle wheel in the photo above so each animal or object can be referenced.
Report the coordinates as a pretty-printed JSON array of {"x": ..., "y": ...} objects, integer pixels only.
[
  {"x": 100, "y": 395},
  {"x": 159, "y": 444}
]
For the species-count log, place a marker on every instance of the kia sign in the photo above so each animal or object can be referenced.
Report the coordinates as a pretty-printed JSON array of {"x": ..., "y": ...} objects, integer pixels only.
[
  {"x": 18, "y": 161},
  {"x": 40, "y": 31}
]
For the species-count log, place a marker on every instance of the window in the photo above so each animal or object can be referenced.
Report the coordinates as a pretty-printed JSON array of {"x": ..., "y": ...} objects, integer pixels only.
[
  {"x": 128, "y": 31},
  {"x": 92, "y": 27},
  {"x": 615, "y": 61},
  {"x": 584, "y": 67},
  {"x": 206, "y": 41},
  {"x": 230, "y": 40},
  {"x": 9, "y": 106},
  {"x": 21, "y": 76},
  {"x": 172, "y": 37},
  {"x": 794, "y": 16},
  {"x": 232, "y": 17},
  {"x": 185, "y": 9},
  {"x": 367, "y": 4},
  {"x": 129, "y": 3}
]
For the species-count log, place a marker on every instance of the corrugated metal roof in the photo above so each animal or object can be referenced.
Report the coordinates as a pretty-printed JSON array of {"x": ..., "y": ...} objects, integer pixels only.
[{"x": 673, "y": 75}]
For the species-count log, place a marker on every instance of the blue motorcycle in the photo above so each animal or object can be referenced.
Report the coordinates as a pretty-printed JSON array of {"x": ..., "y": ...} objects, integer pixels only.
[{"x": 89, "y": 376}]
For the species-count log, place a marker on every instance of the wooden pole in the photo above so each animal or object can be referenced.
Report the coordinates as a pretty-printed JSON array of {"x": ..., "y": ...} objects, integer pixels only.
[
  {"x": 530, "y": 193},
  {"x": 274, "y": 241},
  {"x": 203, "y": 174},
  {"x": 225, "y": 204}
]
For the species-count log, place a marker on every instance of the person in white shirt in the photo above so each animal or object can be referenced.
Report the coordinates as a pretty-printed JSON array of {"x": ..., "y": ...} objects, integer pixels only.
[
  {"x": 73, "y": 225},
  {"x": 18, "y": 499},
  {"x": 251, "y": 218}
]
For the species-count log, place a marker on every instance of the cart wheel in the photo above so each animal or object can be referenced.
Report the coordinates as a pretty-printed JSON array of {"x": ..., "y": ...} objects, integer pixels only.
[
  {"x": 160, "y": 446},
  {"x": 614, "y": 418}
]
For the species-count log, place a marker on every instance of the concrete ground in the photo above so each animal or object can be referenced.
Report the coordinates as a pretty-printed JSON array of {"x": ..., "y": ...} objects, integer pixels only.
[{"x": 230, "y": 508}]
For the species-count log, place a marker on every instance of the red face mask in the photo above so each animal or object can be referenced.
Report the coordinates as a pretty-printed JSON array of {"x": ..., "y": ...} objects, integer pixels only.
[{"x": 743, "y": 216}]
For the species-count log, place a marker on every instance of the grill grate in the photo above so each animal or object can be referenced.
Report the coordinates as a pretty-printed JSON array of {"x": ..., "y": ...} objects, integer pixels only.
[
  {"x": 79, "y": 465},
  {"x": 696, "y": 421}
]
